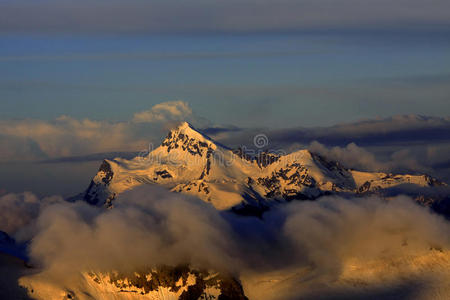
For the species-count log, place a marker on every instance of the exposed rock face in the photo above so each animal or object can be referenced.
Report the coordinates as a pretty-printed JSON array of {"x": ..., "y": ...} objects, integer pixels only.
[
  {"x": 98, "y": 192},
  {"x": 181, "y": 282},
  {"x": 265, "y": 158},
  {"x": 182, "y": 138},
  {"x": 284, "y": 183},
  {"x": 161, "y": 283},
  {"x": 365, "y": 187}
]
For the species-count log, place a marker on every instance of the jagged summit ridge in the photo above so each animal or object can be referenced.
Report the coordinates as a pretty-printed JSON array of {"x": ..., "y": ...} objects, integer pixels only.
[
  {"x": 186, "y": 138},
  {"x": 187, "y": 129},
  {"x": 189, "y": 162}
]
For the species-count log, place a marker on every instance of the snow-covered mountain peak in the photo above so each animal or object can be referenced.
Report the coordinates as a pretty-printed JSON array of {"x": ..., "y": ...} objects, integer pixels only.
[
  {"x": 185, "y": 137},
  {"x": 185, "y": 126},
  {"x": 187, "y": 129},
  {"x": 190, "y": 162}
]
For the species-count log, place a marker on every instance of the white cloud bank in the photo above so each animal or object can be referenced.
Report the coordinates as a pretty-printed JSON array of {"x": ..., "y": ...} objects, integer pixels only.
[
  {"x": 354, "y": 157},
  {"x": 38, "y": 139}
]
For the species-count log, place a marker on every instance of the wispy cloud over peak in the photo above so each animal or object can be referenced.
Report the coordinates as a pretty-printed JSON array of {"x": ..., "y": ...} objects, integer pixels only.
[{"x": 164, "y": 112}]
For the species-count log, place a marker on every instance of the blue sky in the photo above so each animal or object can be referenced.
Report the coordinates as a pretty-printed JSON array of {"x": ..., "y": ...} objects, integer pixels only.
[
  {"x": 296, "y": 79},
  {"x": 247, "y": 63}
]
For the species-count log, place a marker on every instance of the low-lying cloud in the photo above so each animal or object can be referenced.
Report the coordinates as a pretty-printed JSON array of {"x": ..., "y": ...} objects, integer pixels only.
[
  {"x": 147, "y": 227},
  {"x": 150, "y": 226},
  {"x": 358, "y": 158},
  {"x": 64, "y": 136},
  {"x": 18, "y": 212}
]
